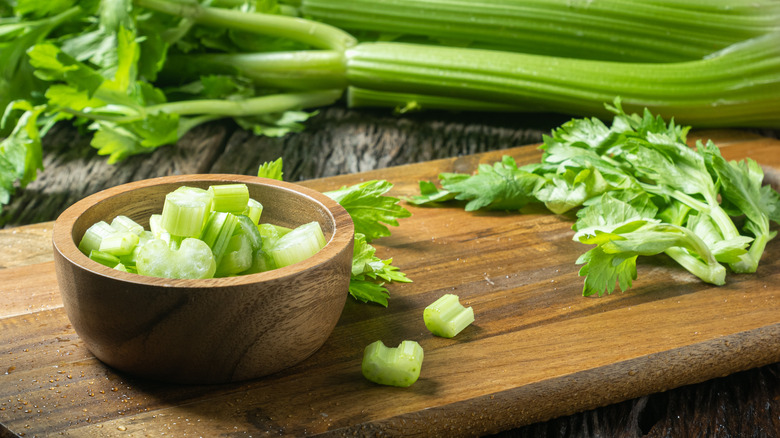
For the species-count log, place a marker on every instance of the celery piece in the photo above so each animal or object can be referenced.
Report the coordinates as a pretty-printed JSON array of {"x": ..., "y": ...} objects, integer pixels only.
[
  {"x": 297, "y": 245},
  {"x": 121, "y": 267},
  {"x": 218, "y": 231},
  {"x": 185, "y": 210},
  {"x": 193, "y": 259},
  {"x": 249, "y": 228},
  {"x": 261, "y": 262},
  {"x": 155, "y": 225},
  {"x": 398, "y": 366},
  {"x": 254, "y": 209},
  {"x": 129, "y": 260},
  {"x": 270, "y": 234},
  {"x": 230, "y": 198},
  {"x": 237, "y": 258},
  {"x": 446, "y": 317},
  {"x": 119, "y": 243},
  {"x": 94, "y": 235},
  {"x": 124, "y": 223},
  {"x": 104, "y": 258}
]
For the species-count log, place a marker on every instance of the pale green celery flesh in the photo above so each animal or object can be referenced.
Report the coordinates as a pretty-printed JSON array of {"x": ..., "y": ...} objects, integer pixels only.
[
  {"x": 740, "y": 86},
  {"x": 230, "y": 198},
  {"x": 237, "y": 258},
  {"x": 217, "y": 233},
  {"x": 394, "y": 366},
  {"x": 124, "y": 223},
  {"x": 605, "y": 29},
  {"x": 94, "y": 235},
  {"x": 298, "y": 245},
  {"x": 446, "y": 317},
  {"x": 120, "y": 243},
  {"x": 185, "y": 211},
  {"x": 104, "y": 258},
  {"x": 254, "y": 210}
]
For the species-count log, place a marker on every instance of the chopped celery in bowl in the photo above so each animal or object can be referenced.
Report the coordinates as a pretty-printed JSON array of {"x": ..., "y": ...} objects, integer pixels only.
[{"x": 204, "y": 330}]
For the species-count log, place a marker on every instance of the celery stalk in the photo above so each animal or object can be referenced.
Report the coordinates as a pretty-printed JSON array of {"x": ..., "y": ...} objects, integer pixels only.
[
  {"x": 399, "y": 366},
  {"x": 94, "y": 235},
  {"x": 617, "y": 30}
]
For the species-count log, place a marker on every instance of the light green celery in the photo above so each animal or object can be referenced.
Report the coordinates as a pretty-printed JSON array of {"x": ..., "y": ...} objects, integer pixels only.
[
  {"x": 393, "y": 366},
  {"x": 405, "y": 102},
  {"x": 94, "y": 235},
  {"x": 254, "y": 209},
  {"x": 104, "y": 258},
  {"x": 193, "y": 259},
  {"x": 446, "y": 317},
  {"x": 299, "y": 244},
  {"x": 237, "y": 258},
  {"x": 217, "y": 233},
  {"x": 185, "y": 211},
  {"x": 275, "y": 103},
  {"x": 605, "y": 29},
  {"x": 230, "y": 198},
  {"x": 247, "y": 226},
  {"x": 317, "y": 35},
  {"x": 735, "y": 87},
  {"x": 298, "y": 70},
  {"x": 124, "y": 223},
  {"x": 119, "y": 243}
]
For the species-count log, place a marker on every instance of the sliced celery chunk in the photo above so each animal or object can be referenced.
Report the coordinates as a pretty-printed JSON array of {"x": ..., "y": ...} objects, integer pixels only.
[
  {"x": 237, "y": 258},
  {"x": 119, "y": 243},
  {"x": 94, "y": 235},
  {"x": 193, "y": 259},
  {"x": 218, "y": 231},
  {"x": 399, "y": 366},
  {"x": 104, "y": 258},
  {"x": 261, "y": 262},
  {"x": 185, "y": 211},
  {"x": 124, "y": 223},
  {"x": 297, "y": 245},
  {"x": 254, "y": 209},
  {"x": 249, "y": 228},
  {"x": 230, "y": 198},
  {"x": 446, "y": 317}
]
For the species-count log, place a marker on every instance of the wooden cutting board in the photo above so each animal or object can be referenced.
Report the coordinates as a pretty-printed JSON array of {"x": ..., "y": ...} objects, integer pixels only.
[{"x": 537, "y": 350}]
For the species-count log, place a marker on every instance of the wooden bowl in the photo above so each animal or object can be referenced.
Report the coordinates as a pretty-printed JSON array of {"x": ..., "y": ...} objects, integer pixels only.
[{"x": 213, "y": 330}]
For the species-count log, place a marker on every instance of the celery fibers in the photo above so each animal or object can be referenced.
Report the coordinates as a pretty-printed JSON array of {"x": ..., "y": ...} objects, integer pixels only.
[
  {"x": 399, "y": 366},
  {"x": 446, "y": 317}
]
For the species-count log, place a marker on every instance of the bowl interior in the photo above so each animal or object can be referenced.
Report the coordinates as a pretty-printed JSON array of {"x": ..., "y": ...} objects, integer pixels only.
[{"x": 283, "y": 203}]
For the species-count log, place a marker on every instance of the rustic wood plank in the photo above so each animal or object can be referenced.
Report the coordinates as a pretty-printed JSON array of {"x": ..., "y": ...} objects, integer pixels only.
[{"x": 537, "y": 351}]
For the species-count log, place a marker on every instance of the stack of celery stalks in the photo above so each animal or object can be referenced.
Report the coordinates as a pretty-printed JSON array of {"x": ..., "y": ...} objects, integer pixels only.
[{"x": 139, "y": 74}]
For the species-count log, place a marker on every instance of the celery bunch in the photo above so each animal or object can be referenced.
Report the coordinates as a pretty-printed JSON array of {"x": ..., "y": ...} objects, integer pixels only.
[
  {"x": 140, "y": 74},
  {"x": 638, "y": 190}
]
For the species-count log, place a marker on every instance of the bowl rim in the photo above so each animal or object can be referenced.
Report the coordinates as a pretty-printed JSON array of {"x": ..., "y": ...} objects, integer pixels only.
[{"x": 64, "y": 244}]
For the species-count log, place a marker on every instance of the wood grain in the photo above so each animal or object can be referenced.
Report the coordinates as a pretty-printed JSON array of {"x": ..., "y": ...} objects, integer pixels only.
[{"x": 537, "y": 351}]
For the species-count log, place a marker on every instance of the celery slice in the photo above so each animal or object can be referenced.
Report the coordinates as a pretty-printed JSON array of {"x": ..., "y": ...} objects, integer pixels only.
[
  {"x": 119, "y": 243},
  {"x": 398, "y": 366},
  {"x": 237, "y": 258},
  {"x": 249, "y": 228},
  {"x": 94, "y": 235},
  {"x": 297, "y": 245},
  {"x": 230, "y": 198},
  {"x": 185, "y": 211},
  {"x": 446, "y": 317},
  {"x": 121, "y": 267},
  {"x": 124, "y": 223},
  {"x": 193, "y": 259},
  {"x": 254, "y": 209},
  {"x": 218, "y": 231},
  {"x": 104, "y": 258},
  {"x": 261, "y": 262}
]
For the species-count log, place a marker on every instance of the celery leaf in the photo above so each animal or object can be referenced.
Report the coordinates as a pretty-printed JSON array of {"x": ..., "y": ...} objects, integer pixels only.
[{"x": 370, "y": 208}]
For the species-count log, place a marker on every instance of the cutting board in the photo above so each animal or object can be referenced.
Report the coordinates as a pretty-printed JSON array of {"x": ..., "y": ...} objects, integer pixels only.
[{"x": 538, "y": 349}]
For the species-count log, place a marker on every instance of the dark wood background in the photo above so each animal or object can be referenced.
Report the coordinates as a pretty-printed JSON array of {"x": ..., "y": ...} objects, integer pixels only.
[{"x": 339, "y": 141}]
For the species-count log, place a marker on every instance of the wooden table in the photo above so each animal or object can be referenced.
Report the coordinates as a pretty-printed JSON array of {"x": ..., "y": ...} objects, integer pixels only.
[{"x": 672, "y": 357}]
